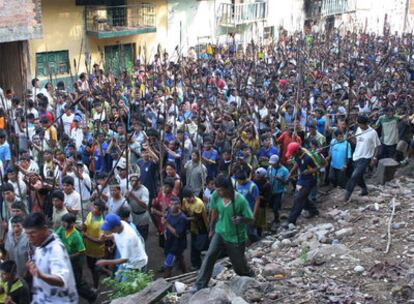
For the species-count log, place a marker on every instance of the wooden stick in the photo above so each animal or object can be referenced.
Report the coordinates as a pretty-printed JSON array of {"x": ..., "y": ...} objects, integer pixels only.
[{"x": 387, "y": 249}]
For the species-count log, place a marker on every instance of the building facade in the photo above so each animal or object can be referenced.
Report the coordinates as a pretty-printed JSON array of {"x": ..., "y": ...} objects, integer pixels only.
[
  {"x": 80, "y": 33},
  {"x": 20, "y": 21}
]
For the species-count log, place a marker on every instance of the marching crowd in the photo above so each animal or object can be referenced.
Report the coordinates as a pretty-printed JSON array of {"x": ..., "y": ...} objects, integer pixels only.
[{"x": 202, "y": 145}]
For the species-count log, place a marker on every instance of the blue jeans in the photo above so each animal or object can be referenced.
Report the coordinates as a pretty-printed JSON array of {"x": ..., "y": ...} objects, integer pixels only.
[
  {"x": 301, "y": 201},
  {"x": 235, "y": 253},
  {"x": 199, "y": 242},
  {"x": 276, "y": 204},
  {"x": 357, "y": 177}
]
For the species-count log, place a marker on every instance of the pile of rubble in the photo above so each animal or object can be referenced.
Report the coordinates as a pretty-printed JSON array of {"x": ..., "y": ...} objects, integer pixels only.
[{"x": 340, "y": 257}]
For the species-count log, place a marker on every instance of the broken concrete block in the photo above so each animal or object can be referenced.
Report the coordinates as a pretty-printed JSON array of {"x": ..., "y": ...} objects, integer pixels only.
[{"x": 386, "y": 170}]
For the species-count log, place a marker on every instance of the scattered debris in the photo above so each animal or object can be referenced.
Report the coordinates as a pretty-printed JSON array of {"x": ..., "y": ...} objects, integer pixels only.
[{"x": 337, "y": 257}]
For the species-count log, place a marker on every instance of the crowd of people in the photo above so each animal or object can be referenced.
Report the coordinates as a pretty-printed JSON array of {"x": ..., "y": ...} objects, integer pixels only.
[{"x": 203, "y": 145}]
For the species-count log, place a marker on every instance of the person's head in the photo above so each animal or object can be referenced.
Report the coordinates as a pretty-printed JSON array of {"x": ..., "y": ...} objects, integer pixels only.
[
  {"x": 135, "y": 180},
  {"x": 35, "y": 83},
  {"x": 8, "y": 271},
  {"x": 98, "y": 208},
  {"x": 312, "y": 129},
  {"x": 227, "y": 155},
  {"x": 35, "y": 226},
  {"x": 8, "y": 193},
  {"x": 2, "y": 137},
  {"x": 11, "y": 175},
  {"x": 124, "y": 213},
  {"x": 241, "y": 177},
  {"x": 195, "y": 156},
  {"x": 175, "y": 204},
  {"x": 68, "y": 221},
  {"x": 168, "y": 185},
  {"x": 313, "y": 144},
  {"x": 68, "y": 183},
  {"x": 188, "y": 194},
  {"x": 293, "y": 150},
  {"x": 260, "y": 173},
  {"x": 389, "y": 112},
  {"x": 115, "y": 189},
  {"x": 112, "y": 223},
  {"x": 210, "y": 183},
  {"x": 58, "y": 199},
  {"x": 363, "y": 121},
  {"x": 266, "y": 141},
  {"x": 339, "y": 135},
  {"x": 171, "y": 169},
  {"x": 18, "y": 208},
  {"x": 208, "y": 145},
  {"x": 224, "y": 186},
  {"x": 17, "y": 225},
  {"x": 101, "y": 178},
  {"x": 274, "y": 161},
  {"x": 122, "y": 169}
]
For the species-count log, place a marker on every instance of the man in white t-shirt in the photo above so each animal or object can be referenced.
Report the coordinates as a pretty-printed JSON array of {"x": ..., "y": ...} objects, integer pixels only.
[
  {"x": 67, "y": 119},
  {"x": 130, "y": 246},
  {"x": 50, "y": 267},
  {"x": 72, "y": 198},
  {"x": 366, "y": 150}
]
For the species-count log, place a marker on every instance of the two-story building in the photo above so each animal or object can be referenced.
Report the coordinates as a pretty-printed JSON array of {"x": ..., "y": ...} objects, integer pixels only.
[{"x": 80, "y": 33}]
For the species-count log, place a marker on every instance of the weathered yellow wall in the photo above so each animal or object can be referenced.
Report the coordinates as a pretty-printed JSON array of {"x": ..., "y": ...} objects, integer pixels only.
[{"x": 63, "y": 29}]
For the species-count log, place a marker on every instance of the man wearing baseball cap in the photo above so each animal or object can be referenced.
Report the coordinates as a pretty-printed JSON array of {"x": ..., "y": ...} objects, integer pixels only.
[
  {"x": 132, "y": 250},
  {"x": 307, "y": 168}
]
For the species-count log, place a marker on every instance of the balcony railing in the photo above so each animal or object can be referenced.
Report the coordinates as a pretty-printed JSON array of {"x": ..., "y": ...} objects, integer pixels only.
[
  {"x": 232, "y": 15},
  {"x": 116, "y": 21},
  {"x": 334, "y": 7}
]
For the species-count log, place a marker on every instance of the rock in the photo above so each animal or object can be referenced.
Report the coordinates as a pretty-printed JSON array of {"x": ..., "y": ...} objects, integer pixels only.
[
  {"x": 359, "y": 269},
  {"x": 247, "y": 288},
  {"x": 238, "y": 300},
  {"x": 219, "y": 294},
  {"x": 286, "y": 234},
  {"x": 344, "y": 232},
  {"x": 286, "y": 243},
  {"x": 218, "y": 269},
  {"x": 275, "y": 245},
  {"x": 272, "y": 269},
  {"x": 179, "y": 287},
  {"x": 386, "y": 170},
  {"x": 397, "y": 226},
  {"x": 321, "y": 230}
]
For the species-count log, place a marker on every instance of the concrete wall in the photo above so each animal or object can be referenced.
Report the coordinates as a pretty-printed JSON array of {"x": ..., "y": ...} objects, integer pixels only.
[
  {"x": 198, "y": 22},
  {"x": 369, "y": 16},
  {"x": 20, "y": 20},
  {"x": 64, "y": 29},
  {"x": 287, "y": 14}
]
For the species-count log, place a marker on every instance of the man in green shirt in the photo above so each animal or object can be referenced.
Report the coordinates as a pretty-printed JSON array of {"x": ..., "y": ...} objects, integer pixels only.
[
  {"x": 389, "y": 133},
  {"x": 230, "y": 215},
  {"x": 73, "y": 241}
]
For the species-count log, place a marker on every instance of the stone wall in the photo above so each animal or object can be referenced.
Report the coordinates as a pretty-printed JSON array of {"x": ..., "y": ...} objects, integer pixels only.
[{"x": 20, "y": 20}]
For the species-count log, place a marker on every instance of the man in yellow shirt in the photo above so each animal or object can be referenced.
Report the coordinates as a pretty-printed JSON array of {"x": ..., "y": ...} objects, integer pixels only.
[
  {"x": 94, "y": 243},
  {"x": 194, "y": 208},
  {"x": 51, "y": 135}
]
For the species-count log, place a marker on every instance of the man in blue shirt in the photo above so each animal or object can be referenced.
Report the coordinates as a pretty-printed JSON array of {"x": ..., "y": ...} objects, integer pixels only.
[
  {"x": 308, "y": 168},
  {"x": 5, "y": 153},
  {"x": 209, "y": 157},
  {"x": 267, "y": 150},
  {"x": 340, "y": 155},
  {"x": 320, "y": 121},
  {"x": 250, "y": 191},
  {"x": 278, "y": 178}
]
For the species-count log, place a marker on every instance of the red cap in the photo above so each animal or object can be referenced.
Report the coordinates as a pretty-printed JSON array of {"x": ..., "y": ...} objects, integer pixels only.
[
  {"x": 292, "y": 148},
  {"x": 282, "y": 82}
]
